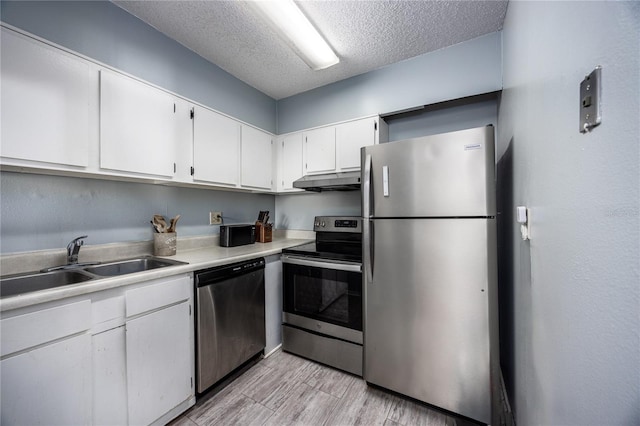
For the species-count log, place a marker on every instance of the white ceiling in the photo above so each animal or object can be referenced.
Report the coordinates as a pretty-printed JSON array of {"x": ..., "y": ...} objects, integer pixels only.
[{"x": 366, "y": 35}]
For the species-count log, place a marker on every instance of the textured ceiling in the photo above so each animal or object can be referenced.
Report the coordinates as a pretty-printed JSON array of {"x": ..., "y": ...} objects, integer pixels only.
[{"x": 366, "y": 35}]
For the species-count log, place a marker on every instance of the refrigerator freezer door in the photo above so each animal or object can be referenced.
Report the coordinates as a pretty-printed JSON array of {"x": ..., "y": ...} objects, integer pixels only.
[
  {"x": 426, "y": 332},
  {"x": 446, "y": 175}
]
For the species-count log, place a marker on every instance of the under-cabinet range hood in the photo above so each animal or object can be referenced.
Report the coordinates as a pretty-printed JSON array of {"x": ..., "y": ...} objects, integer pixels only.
[{"x": 345, "y": 181}]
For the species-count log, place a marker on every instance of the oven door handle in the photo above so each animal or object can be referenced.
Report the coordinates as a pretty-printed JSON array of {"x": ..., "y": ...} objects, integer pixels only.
[{"x": 340, "y": 266}]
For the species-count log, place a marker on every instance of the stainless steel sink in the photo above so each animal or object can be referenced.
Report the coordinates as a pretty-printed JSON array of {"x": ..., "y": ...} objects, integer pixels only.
[
  {"x": 13, "y": 286},
  {"x": 75, "y": 274},
  {"x": 131, "y": 266}
]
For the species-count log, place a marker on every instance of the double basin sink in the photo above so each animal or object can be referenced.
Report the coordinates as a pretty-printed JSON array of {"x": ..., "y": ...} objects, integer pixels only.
[{"x": 75, "y": 274}]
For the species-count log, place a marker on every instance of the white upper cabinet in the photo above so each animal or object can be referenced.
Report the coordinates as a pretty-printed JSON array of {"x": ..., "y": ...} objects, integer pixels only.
[
  {"x": 137, "y": 126},
  {"x": 183, "y": 147},
  {"x": 47, "y": 96},
  {"x": 320, "y": 150},
  {"x": 290, "y": 162},
  {"x": 350, "y": 137},
  {"x": 216, "y": 147},
  {"x": 70, "y": 115},
  {"x": 257, "y": 158},
  {"x": 336, "y": 148}
]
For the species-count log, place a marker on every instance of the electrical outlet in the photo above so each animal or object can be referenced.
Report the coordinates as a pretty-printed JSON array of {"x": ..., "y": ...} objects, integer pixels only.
[{"x": 215, "y": 218}]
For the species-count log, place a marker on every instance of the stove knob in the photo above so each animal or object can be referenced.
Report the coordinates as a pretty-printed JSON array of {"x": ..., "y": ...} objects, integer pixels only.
[
  {"x": 317, "y": 224},
  {"x": 323, "y": 224}
]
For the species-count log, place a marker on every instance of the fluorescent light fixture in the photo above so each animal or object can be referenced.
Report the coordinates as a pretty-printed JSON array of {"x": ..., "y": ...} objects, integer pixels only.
[{"x": 289, "y": 21}]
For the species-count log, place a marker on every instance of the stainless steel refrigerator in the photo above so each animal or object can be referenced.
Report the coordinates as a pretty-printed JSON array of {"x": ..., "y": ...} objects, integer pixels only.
[{"x": 429, "y": 270}]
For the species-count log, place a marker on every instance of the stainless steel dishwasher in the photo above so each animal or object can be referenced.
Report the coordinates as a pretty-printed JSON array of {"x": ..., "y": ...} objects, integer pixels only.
[{"x": 229, "y": 319}]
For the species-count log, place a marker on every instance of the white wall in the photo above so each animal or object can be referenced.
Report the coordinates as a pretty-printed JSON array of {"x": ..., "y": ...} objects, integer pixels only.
[{"x": 574, "y": 332}]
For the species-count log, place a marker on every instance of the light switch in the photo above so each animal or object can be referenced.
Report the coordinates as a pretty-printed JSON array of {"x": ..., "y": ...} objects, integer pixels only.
[
  {"x": 590, "y": 94},
  {"x": 522, "y": 217},
  {"x": 521, "y": 214}
]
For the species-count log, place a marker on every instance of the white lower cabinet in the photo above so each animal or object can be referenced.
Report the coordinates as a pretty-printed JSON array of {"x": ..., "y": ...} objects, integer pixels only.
[
  {"x": 158, "y": 363},
  {"x": 50, "y": 385},
  {"x": 117, "y": 357},
  {"x": 109, "y": 377},
  {"x": 45, "y": 373}
]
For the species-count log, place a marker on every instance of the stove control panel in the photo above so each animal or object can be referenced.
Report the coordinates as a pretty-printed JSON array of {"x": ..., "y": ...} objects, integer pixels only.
[{"x": 337, "y": 224}]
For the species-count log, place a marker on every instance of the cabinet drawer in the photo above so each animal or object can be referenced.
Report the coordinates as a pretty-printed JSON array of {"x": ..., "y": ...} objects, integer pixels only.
[
  {"x": 154, "y": 296},
  {"x": 107, "y": 314},
  {"x": 28, "y": 330}
]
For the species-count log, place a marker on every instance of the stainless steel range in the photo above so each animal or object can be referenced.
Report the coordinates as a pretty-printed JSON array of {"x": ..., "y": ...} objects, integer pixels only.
[{"x": 322, "y": 287}]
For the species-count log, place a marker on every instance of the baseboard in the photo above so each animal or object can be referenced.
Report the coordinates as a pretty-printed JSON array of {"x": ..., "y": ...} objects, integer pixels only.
[
  {"x": 506, "y": 415},
  {"x": 272, "y": 351}
]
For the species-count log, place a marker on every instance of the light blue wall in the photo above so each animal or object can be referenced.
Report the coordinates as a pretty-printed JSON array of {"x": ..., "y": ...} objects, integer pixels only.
[
  {"x": 573, "y": 299},
  {"x": 46, "y": 212},
  {"x": 103, "y": 31},
  {"x": 296, "y": 211},
  {"x": 466, "y": 69},
  {"x": 447, "y": 117}
]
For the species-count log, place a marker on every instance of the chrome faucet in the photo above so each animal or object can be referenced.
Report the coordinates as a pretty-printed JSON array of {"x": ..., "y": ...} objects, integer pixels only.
[{"x": 73, "y": 249}]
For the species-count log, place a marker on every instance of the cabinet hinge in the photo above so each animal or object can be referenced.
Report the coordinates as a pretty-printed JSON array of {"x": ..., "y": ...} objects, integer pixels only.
[
  {"x": 192, "y": 170},
  {"x": 174, "y": 167},
  {"x": 192, "y": 113},
  {"x": 189, "y": 310},
  {"x": 174, "y": 108}
]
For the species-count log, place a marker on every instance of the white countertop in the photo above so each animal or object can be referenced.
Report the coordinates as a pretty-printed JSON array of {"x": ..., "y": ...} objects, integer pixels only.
[{"x": 197, "y": 258}]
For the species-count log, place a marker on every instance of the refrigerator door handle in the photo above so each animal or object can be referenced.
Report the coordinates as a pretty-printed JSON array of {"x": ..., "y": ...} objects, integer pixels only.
[
  {"x": 366, "y": 187},
  {"x": 367, "y": 236}
]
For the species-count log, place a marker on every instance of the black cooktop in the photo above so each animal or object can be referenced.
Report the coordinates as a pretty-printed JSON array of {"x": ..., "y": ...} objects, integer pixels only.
[
  {"x": 350, "y": 251},
  {"x": 337, "y": 238}
]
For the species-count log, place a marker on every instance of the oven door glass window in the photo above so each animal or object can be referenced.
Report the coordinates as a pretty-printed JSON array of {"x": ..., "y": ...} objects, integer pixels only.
[{"x": 324, "y": 294}]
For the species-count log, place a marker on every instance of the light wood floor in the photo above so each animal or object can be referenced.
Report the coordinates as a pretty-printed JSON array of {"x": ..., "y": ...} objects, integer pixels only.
[{"x": 284, "y": 389}]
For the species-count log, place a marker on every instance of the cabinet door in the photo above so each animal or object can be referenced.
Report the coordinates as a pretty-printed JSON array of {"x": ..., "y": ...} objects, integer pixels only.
[
  {"x": 158, "y": 362},
  {"x": 320, "y": 150},
  {"x": 216, "y": 147},
  {"x": 50, "y": 385},
  {"x": 45, "y": 100},
  {"x": 257, "y": 158},
  {"x": 184, "y": 141},
  {"x": 109, "y": 377},
  {"x": 291, "y": 161},
  {"x": 137, "y": 126},
  {"x": 350, "y": 137}
]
